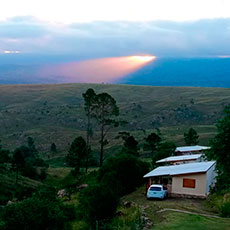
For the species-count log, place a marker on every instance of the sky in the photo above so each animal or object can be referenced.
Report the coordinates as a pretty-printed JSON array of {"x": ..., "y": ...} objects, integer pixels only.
[
  {"x": 70, "y": 11},
  {"x": 108, "y": 28}
]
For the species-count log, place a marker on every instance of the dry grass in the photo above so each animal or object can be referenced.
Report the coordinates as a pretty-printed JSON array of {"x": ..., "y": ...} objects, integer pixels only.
[{"x": 55, "y": 113}]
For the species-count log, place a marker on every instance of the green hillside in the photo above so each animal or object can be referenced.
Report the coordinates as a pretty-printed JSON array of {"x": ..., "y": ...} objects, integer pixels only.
[{"x": 55, "y": 113}]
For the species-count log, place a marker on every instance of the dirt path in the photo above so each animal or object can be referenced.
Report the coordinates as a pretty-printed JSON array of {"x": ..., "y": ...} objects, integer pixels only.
[{"x": 187, "y": 212}]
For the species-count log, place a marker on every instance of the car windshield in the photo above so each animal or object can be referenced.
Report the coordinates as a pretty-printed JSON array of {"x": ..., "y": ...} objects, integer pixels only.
[{"x": 155, "y": 189}]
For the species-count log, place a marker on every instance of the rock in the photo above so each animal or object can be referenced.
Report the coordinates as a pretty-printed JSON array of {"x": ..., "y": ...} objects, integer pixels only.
[
  {"x": 10, "y": 202},
  {"x": 127, "y": 204},
  {"x": 62, "y": 193},
  {"x": 149, "y": 223},
  {"x": 145, "y": 207},
  {"x": 82, "y": 186}
]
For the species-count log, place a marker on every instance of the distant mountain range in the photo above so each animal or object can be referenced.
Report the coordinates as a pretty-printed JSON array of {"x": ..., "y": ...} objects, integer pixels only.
[{"x": 202, "y": 72}]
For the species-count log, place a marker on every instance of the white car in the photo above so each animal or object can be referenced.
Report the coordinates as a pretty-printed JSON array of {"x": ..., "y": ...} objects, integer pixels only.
[{"x": 157, "y": 191}]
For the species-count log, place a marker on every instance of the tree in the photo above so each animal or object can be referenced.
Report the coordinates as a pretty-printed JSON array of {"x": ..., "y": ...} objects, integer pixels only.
[
  {"x": 18, "y": 161},
  {"x": 165, "y": 149},
  {"x": 191, "y": 138},
  {"x": 53, "y": 148},
  {"x": 42, "y": 211},
  {"x": 31, "y": 145},
  {"x": 89, "y": 98},
  {"x": 77, "y": 153},
  {"x": 130, "y": 146},
  {"x": 28, "y": 163},
  {"x": 220, "y": 150},
  {"x": 97, "y": 205},
  {"x": 105, "y": 110},
  {"x": 152, "y": 142},
  {"x": 124, "y": 173},
  {"x": 4, "y": 154}
]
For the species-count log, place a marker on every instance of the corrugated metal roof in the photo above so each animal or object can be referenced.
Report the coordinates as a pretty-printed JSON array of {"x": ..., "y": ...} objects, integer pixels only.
[
  {"x": 191, "y": 148},
  {"x": 181, "y": 169},
  {"x": 180, "y": 158}
]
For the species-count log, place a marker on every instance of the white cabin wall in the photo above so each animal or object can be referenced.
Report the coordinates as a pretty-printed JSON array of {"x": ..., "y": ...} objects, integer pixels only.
[{"x": 211, "y": 178}]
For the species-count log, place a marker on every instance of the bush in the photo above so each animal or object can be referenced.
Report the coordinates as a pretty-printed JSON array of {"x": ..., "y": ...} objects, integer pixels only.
[
  {"x": 118, "y": 176},
  {"x": 165, "y": 149},
  {"x": 123, "y": 173},
  {"x": 42, "y": 211},
  {"x": 225, "y": 209},
  {"x": 22, "y": 192},
  {"x": 3, "y": 199},
  {"x": 130, "y": 220},
  {"x": 97, "y": 205}
]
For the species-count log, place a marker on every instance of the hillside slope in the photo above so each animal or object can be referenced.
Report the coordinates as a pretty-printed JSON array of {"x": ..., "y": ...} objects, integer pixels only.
[{"x": 55, "y": 113}]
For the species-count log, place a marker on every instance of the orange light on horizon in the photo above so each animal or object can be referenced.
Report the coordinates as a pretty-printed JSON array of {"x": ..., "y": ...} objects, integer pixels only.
[
  {"x": 98, "y": 70},
  {"x": 144, "y": 58}
]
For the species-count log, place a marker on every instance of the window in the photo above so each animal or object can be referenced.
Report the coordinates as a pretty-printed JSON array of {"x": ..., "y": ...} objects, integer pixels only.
[
  {"x": 189, "y": 183},
  {"x": 155, "y": 189}
]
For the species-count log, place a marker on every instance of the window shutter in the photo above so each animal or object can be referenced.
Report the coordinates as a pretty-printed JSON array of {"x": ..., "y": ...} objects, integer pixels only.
[{"x": 189, "y": 183}]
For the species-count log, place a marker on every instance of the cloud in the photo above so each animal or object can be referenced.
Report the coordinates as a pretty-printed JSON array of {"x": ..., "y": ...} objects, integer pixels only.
[{"x": 106, "y": 39}]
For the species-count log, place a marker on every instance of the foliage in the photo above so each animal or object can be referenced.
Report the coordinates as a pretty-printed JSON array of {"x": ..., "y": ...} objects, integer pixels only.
[
  {"x": 98, "y": 204},
  {"x": 77, "y": 153},
  {"x": 26, "y": 161},
  {"x": 225, "y": 209},
  {"x": 124, "y": 173},
  {"x": 69, "y": 181},
  {"x": 42, "y": 211},
  {"x": 130, "y": 146},
  {"x": 118, "y": 176},
  {"x": 31, "y": 145},
  {"x": 165, "y": 149},
  {"x": 191, "y": 138},
  {"x": 105, "y": 110},
  {"x": 89, "y": 98},
  {"x": 53, "y": 148},
  {"x": 152, "y": 142},
  {"x": 130, "y": 219},
  {"x": 4, "y": 155},
  {"x": 220, "y": 151}
]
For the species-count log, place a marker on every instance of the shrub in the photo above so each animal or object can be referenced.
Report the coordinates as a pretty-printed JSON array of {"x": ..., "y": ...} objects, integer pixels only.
[
  {"x": 225, "y": 209},
  {"x": 131, "y": 219},
  {"x": 123, "y": 173},
  {"x": 42, "y": 211},
  {"x": 3, "y": 199},
  {"x": 97, "y": 205}
]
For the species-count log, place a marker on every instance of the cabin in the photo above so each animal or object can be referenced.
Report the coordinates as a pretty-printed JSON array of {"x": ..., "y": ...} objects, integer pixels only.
[
  {"x": 183, "y": 159},
  {"x": 188, "y": 150},
  {"x": 192, "y": 180}
]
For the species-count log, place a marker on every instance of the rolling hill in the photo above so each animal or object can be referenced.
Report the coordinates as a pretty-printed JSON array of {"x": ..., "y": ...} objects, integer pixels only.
[{"x": 55, "y": 113}]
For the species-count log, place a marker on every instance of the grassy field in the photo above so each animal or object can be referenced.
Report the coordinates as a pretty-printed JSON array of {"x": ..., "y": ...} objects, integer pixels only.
[
  {"x": 181, "y": 221},
  {"x": 169, "y": 220},
  {"x": 55, "y": 113}
]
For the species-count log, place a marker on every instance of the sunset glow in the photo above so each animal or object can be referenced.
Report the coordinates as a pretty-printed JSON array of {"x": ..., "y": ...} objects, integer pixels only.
[
  {"x": 100, "y": 70},
  {"x": 143, "y": 58}
]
